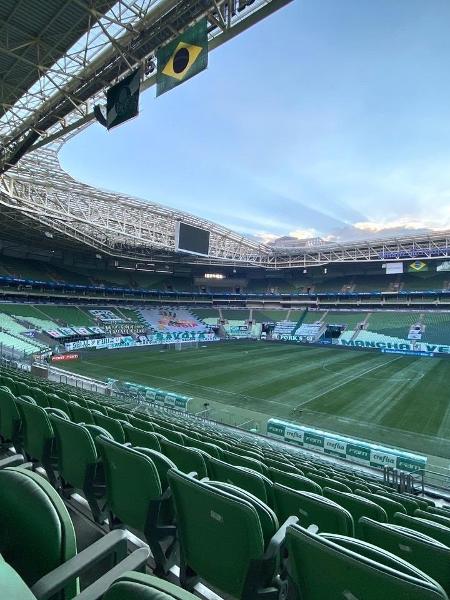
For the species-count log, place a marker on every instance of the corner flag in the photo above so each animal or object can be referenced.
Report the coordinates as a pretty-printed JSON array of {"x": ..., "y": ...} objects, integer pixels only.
[{"x": 183, "y": 58}]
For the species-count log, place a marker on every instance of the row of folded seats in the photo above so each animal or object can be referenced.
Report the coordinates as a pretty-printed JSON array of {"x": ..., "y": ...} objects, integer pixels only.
[{"x": 246, "y": 519}]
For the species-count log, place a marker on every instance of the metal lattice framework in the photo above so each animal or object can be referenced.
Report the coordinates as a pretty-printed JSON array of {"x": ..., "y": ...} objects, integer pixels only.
[
  {"x": 115, "y": 224},
  {"x": 75, "y": 49},
  {"x": 56, "y": 59}
]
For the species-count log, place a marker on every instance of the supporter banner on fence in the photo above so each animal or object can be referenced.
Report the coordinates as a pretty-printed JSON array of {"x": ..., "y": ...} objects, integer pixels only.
[
  {"x": 403, "y": 346},
  {"x": 148, "y": 340},
  {"x": 108, "y": 342},
  {"x": 365, "y": 453},
  {"x": 106, "y": 316}
]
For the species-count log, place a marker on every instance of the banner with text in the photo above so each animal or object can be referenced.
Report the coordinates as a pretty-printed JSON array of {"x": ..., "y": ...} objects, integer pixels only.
[{"x": 365, "y": 453}]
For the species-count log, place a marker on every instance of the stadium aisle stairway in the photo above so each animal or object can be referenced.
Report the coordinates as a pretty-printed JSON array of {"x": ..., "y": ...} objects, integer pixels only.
[{"x": 175, "y": 480}]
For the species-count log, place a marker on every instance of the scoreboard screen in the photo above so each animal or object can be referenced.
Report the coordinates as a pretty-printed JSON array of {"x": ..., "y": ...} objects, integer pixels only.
[{"x": 191, "y": 239}]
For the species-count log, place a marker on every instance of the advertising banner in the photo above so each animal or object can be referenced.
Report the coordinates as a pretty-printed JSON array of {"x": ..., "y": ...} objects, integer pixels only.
[
  {"x": 365, "y": 453},
  {"x": 62, "y": 357}
]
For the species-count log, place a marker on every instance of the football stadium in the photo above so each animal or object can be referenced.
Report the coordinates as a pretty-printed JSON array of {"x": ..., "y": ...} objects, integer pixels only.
[{"x": 200, "y": 403}]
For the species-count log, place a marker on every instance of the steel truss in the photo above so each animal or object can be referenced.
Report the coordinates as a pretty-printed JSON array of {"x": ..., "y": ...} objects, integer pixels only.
[
  {"x": 127, "y": 36},
  {"x": 115, "y": 224}
]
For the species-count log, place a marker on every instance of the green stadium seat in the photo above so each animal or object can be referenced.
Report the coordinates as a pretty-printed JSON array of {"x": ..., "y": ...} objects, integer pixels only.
[
  {"x": 243, "y": 461},
  {"x": 80, "y": 414},
  {"x": 357, "y": 506},
  {"x": 173, "y": 436},
  {"x": 421, "y": 550},
  {"x": 425, "y": 514},
  {"x": 38, "y": 437},
  {"x": 10, "y": 419},
  {"x": 138, "y": 586},
  {"x": 390, "y": 506},
  {"x": 38, "y": 546},
  {"x": 212, "y": 524},
  {"x": 409, "y": 504},
  {"x": 312, "y": 509},
  {"x": 186, "y": 459},
  {"x": 142, "y": 438},
  {"x": 136, "y": 497},
  {"x": 56, "y": 402},
  {"x": 333, "y": 566},
  {"x": 143, "y": 424},
  {"x": 112, "y": 426},
  {"x": 208, "y": 447},
  {"x": 79, "y": 464},
  {"x": 39, "y": 396},
  {"x": 12, "y": 586},
  {"x": 251, "y": 481},
  {"x": 326, "y": 481},
  {"x": 439, "y": 532},
  {"x": 296, "y": 482}
]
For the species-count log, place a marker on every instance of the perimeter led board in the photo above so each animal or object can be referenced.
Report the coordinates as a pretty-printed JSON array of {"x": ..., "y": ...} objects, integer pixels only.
[{"x": 192, "y": 240}]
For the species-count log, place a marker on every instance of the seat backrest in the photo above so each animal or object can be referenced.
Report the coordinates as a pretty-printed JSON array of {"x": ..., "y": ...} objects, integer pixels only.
[
  {"x": 312, "y": 509},
  {"x": 139, "y": 586},
  {"x": 389, "y": 505},
  {"x": 39, "y": 396},
  {"x": 76, "y": 450},
  {"x": 186, "y": 459},
  {"x": 80, "y": 414},
  {"x": 328, "y": 482},
  {"x": 439, "y": 532},
  {"x": 162, "y": 463},
  {"x": 111, "y": 425},
  {"x": 267, "y": 517},
  {"x": 10, "y": 419},
  {"x": 143, "y": 424},
  {"x": 425, "y": 553},
  {"x": 37, "y": 430},
  {"x": 57, "y": 402},
  {"x": 12, "y": 586},
  {"x": 357, "y": 506},
  {"x": 129, "y": 475},
  {"x": 320, "y": 567},
  {"x": 253, "y": 482},
  {"x": 409, "y": 504},
  {"x": 243, "y": 461},
  {"x": 211, "y": 449},
  {"x": 141, "y": 438},
  {"x": 36, "y": 532},
  {"x": 296, "y": 482},
  {"x": 219, "y": 533},
  {"x": 424, "y": 514}
]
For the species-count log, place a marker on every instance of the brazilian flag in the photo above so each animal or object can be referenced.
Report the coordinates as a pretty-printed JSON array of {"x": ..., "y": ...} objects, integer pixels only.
[
  {"x": 183, "y": 58},
  {"x": 418, "y": 266}
]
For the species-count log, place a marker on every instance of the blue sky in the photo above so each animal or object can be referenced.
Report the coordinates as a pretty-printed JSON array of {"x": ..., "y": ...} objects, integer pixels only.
[{"x": 329, "y": 118}]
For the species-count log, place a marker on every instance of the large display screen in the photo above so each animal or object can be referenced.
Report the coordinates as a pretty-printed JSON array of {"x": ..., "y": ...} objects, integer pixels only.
[{"x": 191, "y": 239}]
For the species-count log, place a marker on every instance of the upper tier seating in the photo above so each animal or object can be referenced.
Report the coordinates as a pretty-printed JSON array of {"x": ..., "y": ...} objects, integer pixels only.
[{"x": 172, "y": 319}]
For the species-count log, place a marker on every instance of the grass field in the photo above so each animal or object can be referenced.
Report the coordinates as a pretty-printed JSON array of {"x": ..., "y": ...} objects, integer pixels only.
[{"x": 396, "y": 400}]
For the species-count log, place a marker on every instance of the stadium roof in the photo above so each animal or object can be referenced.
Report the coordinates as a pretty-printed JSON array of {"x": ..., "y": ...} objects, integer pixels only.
[{"x": 57, "y": 58}]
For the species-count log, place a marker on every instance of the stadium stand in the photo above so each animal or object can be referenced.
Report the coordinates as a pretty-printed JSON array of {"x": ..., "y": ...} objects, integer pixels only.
[
  {"x": 172, "y": 319},
  {"x": 267, "y": 492}
]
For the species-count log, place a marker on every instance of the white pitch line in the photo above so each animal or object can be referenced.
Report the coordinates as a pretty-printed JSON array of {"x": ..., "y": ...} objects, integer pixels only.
[{"x": 348, "y": 381}]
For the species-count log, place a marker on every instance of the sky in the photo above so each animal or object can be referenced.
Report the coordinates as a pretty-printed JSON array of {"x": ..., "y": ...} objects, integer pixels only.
[{"x": 330, "y": 118}]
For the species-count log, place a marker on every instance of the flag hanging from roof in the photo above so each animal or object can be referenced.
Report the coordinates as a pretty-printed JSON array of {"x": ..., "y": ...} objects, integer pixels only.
[
  {"x": 417, "y": 266},
  {"x": 183, "y": 58},
  {"x": 122, "y": 100}
]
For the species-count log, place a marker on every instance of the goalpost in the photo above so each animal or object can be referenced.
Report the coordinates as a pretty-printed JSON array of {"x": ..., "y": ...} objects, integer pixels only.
[{"x": 184, "y": 345}]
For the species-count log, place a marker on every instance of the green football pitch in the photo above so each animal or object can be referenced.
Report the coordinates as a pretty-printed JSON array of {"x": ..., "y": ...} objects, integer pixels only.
[{"x": 390, "y": 399}]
